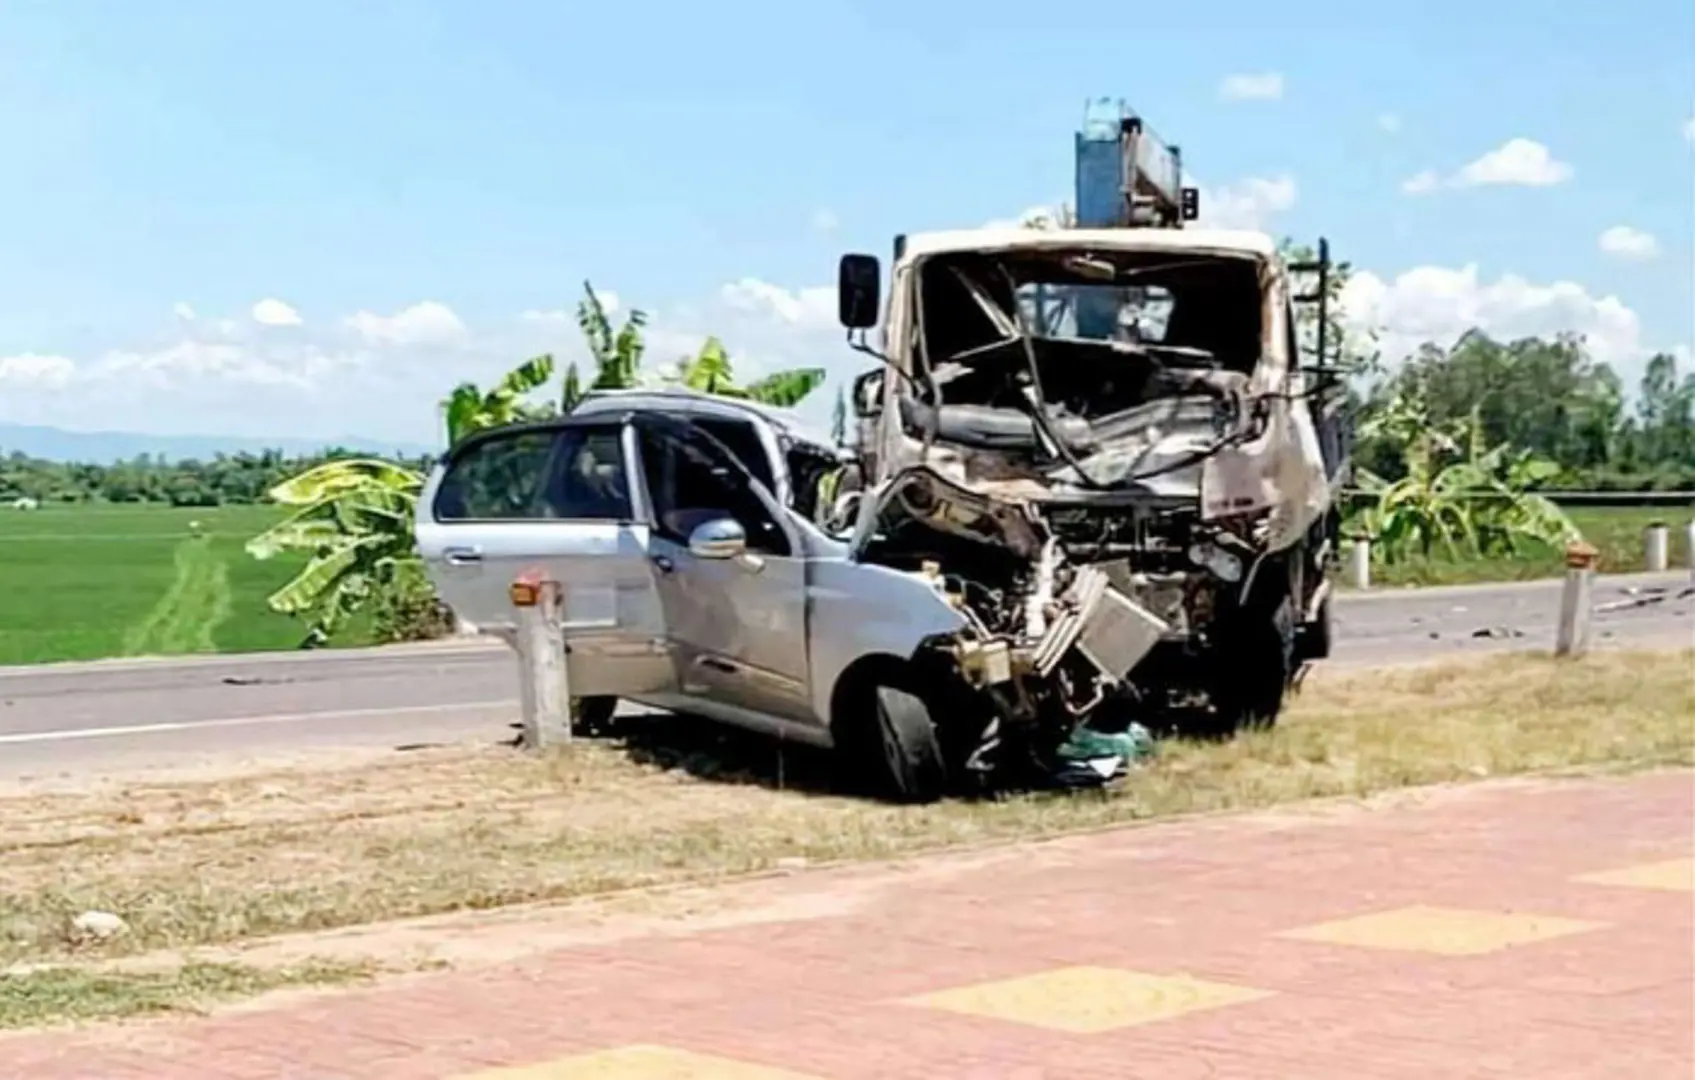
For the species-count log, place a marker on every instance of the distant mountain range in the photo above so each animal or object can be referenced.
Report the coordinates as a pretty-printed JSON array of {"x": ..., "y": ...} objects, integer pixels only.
[{"x": 106, "y": 447}]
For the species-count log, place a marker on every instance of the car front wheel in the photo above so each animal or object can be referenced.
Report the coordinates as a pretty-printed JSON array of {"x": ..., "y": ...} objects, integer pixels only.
[
  {"x": 592, "y": 716},
  {"x": 886, "y": 739},
  {"x": 914, "y": 769}
]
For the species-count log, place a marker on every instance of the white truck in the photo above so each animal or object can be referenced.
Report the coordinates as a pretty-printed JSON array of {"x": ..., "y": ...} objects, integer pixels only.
[{"x": 1118, "y": 415}]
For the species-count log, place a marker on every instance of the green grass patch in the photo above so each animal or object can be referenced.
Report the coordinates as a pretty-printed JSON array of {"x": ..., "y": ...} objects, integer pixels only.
[
  {"x": 32, "y": 998},
  {"x": 89, "y": 582}
]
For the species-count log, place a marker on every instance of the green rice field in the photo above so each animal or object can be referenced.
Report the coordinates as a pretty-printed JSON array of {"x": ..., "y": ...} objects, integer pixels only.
[{"x": 83, "y": 582}]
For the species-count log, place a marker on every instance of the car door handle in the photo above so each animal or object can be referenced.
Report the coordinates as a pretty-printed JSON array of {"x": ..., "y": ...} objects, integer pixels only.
[
  {"x": 462, "y": 556},
  {"x": 664, "y": 563}
]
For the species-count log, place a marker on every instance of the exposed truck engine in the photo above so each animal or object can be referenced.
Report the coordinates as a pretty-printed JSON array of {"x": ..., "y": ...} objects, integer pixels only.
[{"x": 1100, "y": 444}]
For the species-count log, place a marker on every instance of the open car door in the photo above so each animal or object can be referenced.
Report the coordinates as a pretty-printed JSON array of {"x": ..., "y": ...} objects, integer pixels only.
[
  {"x": 732, "y": 572},
  {"x": 557, "y": 498}
]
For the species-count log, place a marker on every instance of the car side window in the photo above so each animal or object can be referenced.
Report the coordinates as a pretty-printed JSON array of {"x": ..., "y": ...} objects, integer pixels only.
[
  {"x": 743, "y": 441},
  {"x": 691, "y": 481},
  {"x": 575, "y": 474},
  {"x": 590, "y": 480}
]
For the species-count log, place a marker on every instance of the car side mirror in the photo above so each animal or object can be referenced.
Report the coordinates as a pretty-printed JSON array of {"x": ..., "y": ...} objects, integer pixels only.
[
  {"x": 720, "y": 538},
  {"x": 868, "y": 394},
  {"x": 859, "y": 281}
]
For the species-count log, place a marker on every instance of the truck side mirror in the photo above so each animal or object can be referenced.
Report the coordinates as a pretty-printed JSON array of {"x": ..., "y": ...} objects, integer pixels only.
[
  {"x": 868, "y": 394},
  {"x": 858, "y": 291}
]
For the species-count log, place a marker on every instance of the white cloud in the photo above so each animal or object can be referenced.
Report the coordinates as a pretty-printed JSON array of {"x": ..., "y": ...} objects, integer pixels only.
[
  {"x": 273, "y": 312},
  {"x": 534, "y": 315},
  {"x": 192, "y": 361},
  {"x": 1522, "y": 162},
  {"x": 1438, "y": 304},
  {"x": 1254, "y": 86},
  {"x": 807, "y": 308},
  {"x": 1421, "y": 183},
  {"x": 36, "y": 371},
  {"x": 1625, "y": 242},
  {"x": 1388, "y": 122},
  {"x": 1248, "y": 203},
  {"x": 1689, "y": 129},
  {"x": 825, "y": 221},
  {"x": 425, "y": 323},
  {"x": 608, "y": 301},
  {"x": 340, "y": 379},
  {"x": 183, "y": 311},
  {"x": 1515, "y": 163}
]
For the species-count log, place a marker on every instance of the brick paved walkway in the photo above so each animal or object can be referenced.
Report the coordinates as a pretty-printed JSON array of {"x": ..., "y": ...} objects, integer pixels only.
[{"x": 1515, "y": 930}]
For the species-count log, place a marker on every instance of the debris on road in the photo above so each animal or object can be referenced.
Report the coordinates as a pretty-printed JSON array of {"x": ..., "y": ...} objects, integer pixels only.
[
  {"x": 97, "y": 926},
  {"x": 1093, "y": 757},
  {"x": 1643, "y": 597}
]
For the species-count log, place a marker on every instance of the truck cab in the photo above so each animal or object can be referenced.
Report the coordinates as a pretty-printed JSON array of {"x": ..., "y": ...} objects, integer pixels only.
[{"x": 1125, "y": 400}]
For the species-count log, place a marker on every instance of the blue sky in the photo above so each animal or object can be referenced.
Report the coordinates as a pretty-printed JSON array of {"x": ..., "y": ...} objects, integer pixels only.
[{"x": 196, "y": 156}]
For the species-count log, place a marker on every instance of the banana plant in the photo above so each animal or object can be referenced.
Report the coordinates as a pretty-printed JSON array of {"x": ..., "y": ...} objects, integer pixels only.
[
  {"x": 354, "y": 519},
  {"x": 1458, "y": 496},
  {"x": 617, "y": 354},
  {"x": 710, "y": 371},
  {"x": 468, "y": 409}
]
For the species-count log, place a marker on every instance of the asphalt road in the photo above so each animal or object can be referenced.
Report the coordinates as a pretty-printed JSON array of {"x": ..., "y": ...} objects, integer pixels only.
[{"x": 65, "y": 719}]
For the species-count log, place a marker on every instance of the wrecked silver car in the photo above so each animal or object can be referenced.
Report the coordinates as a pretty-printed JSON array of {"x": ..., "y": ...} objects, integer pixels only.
[{"x": 1102, "y": 444}]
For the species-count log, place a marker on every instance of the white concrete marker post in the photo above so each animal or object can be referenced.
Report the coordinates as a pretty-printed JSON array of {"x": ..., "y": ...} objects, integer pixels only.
[
  {"x": 1572, "y": 636},
  {"x": 1655, "y": 544},
  {"x": 543, "y": 679},
  {"x": 1689, "y": 547},
  {"x": 1359, "y": 563}
]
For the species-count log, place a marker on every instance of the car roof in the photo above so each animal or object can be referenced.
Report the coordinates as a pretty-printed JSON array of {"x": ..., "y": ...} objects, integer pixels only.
[{"x": 680, "y": 399}]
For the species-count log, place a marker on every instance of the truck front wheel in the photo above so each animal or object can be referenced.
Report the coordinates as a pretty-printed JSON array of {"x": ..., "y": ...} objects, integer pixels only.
[{"x": 1255, "y": 662}]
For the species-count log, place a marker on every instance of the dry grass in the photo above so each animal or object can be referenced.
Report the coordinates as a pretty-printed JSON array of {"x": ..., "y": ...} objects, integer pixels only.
[
  {"x": 201, "y": 862},
  {"x": 57, "y": 994}
]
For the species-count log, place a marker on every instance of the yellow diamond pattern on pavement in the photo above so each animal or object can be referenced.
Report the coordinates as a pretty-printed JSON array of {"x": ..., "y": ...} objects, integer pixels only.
[
  {"x": 1673, "y": 875},
  {"x": 637, "y": 1063},
  {"x": 1443, "y": 931},
  {"x": 1088, "y": 1000}
]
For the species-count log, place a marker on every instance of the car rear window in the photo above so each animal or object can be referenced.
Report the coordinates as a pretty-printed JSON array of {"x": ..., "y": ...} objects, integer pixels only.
[{"x": 574, "y": 474}]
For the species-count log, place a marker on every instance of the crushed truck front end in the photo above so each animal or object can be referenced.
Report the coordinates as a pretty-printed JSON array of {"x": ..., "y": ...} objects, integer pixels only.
[{"x": 1099, "y": 445}]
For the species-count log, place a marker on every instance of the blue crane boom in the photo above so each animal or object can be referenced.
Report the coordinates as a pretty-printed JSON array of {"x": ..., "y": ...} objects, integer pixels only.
[{"x": 1126, "y": 176}]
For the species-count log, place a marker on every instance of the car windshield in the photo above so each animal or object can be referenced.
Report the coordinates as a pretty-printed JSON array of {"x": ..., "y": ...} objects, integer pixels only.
[{"x": 1189, "y": 307}]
